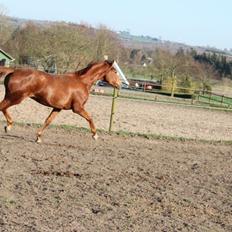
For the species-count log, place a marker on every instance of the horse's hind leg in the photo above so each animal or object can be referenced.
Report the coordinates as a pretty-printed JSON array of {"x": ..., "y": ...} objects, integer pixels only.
[
  {"x": 6, "y": 103},
  {"x": 48, "y": 120},
  {"x": 8, "y": 120},
  {"x": 3, "y": 107}
]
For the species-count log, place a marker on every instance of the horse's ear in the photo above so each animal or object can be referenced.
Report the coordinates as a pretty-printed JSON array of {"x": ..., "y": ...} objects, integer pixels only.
[{"x": 110, "y": 62}]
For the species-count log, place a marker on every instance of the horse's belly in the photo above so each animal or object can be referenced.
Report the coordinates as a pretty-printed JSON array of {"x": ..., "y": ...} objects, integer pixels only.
[
  {"x": 41, "y": 101},
  {"x": 57, "y": 101}
]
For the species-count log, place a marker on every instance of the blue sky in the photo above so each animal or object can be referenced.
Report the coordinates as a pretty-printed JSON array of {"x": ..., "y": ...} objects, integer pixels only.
[{"x": 194, "y": 22}]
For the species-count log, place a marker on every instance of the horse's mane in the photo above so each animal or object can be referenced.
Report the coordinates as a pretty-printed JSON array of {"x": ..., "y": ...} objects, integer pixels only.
[
  {"x": 86, "y": 69},
  {"x": 89, "y": 66}
]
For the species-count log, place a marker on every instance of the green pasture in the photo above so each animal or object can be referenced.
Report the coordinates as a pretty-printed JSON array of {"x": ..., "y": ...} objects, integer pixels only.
[{"x": 215, "y": 99}]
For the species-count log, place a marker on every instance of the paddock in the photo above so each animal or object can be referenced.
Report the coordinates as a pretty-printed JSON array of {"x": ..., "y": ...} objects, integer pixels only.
[
  {"x": 137, "y": 116},
  {"x": 180, "y": 180},
  {"x": 117, "y": 183}
]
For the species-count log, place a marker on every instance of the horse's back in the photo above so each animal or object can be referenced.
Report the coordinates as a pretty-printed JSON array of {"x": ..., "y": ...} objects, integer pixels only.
[{"x": 25, "y": 80}]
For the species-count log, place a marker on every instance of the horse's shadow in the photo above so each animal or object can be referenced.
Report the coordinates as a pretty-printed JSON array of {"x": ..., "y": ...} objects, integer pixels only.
[
  {"x": 13, "y": 137},
  {"x": 33, "y": 141}
]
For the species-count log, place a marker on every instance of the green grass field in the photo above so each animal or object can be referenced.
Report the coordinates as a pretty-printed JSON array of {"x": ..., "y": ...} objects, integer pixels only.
[{"x": 216, "y": 100}]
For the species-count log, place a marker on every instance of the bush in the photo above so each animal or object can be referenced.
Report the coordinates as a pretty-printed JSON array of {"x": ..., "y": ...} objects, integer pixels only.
[
  {"x": 168, "y": 84},
  {"x": 206, "y": 86},
  {"x": 186, "y": 85}
]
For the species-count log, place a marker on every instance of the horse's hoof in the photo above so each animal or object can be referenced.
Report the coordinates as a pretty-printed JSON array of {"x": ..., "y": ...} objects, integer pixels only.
[
  {"x": 7, "y": 128},
  {"x": 39, "y": 140},
  {"x": 95, "y": 137}
]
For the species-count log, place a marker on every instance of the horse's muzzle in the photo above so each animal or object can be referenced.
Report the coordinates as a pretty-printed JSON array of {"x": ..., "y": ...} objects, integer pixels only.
[{"x": 117, "y": 86}]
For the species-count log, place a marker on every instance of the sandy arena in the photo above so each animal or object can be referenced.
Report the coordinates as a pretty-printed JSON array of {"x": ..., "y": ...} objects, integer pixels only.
[
  {"x": 73, "y": 183},
  {"x": 136, "y": 116}
]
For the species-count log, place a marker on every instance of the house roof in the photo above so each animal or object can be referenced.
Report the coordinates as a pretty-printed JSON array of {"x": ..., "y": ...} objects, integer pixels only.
[{"x": 7, "y": 55}]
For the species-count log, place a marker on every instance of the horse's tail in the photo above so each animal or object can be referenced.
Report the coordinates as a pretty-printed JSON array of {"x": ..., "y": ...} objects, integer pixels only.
[{"x": 4, "y": 71}]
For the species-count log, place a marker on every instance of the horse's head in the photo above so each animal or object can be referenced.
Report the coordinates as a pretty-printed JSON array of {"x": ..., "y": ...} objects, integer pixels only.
[{"x": 112, "y": 76}]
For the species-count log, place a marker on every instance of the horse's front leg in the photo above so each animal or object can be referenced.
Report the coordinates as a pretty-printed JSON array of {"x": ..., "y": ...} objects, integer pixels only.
[{"x": 83, "y": 113}]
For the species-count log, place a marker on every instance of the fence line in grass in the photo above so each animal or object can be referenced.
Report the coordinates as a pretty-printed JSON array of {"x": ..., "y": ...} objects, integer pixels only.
[
  {"x": 195, "y": 96},
  {"x": 214, "y": 98},
  {"x": 200, "y": 95}
]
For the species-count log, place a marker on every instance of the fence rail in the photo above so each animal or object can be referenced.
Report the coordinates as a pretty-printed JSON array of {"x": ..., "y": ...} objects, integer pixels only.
[
  {"x": 199, "y": 95},
  {"x": 189, "y": 96},
  {"x": 214, "y": 98}
]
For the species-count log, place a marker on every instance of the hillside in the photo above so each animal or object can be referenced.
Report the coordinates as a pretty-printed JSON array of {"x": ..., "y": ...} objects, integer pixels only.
[
  {"x": 137, "y": 41},
  {"x": 148, "y": 42},
  {"x": 56, "y": 46}
]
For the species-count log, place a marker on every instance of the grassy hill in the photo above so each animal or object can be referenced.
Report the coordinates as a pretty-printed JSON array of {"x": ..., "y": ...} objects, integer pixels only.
[
  {"x": 141, "y": 41},
  {"x": 137, "y": 41}
]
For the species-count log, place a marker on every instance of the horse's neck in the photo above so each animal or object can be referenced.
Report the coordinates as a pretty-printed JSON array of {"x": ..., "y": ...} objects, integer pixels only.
[{"x": 92, "y": 76}]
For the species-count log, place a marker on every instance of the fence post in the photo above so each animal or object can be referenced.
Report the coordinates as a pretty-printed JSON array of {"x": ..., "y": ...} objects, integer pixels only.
[
  {"x": 192, "y": 99},
  {"x": 210, "y": 96},
  {"x": 115, "y": 95},
  {"x": 173, "y": 86},
  {"x": 144, "y": 86},
  {"x": 198, "y": 96},
  {"x": 222, "y": 99}
]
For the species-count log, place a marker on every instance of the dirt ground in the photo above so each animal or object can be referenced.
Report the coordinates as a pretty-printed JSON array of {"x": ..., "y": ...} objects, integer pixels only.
[
  {"x": 137, "y": 116},
  {"x": 73, "y": 183}
]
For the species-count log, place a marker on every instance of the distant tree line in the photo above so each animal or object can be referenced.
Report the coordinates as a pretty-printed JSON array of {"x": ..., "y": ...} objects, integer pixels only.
[
  {"x": 69, "y": 46},
  {"x": 217, "y": 61},
  {"x": 62, "y": 47}
]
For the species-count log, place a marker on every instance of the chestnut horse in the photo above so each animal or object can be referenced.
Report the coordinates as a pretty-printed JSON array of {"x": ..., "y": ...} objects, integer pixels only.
[{"x": 61, "y": 92}]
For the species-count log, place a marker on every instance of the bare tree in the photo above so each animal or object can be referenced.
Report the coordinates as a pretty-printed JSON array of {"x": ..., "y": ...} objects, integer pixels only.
[
  {"x": 205, "y": 73},
  {"x": 5, "y": 27},
  {"x": 106, "y": 44},
  {"x": 68, "y": 45}
]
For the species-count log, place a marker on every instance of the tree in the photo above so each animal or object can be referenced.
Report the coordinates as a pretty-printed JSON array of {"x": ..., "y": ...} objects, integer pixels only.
[
  {"x": 5, "y": 28},
  {"x": 217, "y": 61},
  {"x": 69, "y": 45},
  {"x": 106, "y": 43},
  {"x": 205, "y": 73}
]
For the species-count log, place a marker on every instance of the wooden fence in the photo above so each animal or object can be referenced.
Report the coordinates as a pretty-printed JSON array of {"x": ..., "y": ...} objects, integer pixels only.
[
  {"x": 214, "y": 99},
  {"x": 199, "y": 95}
]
